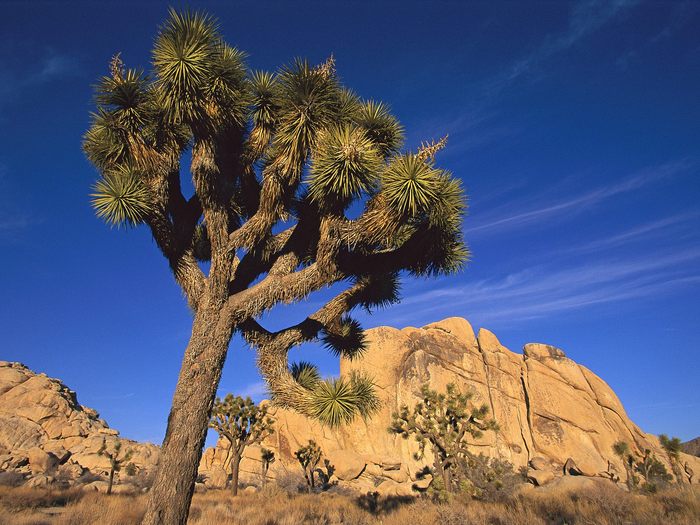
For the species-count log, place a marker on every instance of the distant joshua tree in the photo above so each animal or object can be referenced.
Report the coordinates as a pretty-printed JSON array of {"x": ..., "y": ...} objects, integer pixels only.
[
  {"x": 673, "y": 449},
  {"x": 442, "y": 422},
  {"x": 309, "y": 456},
  {"x": 267, "y": 458},
  {"x": 277, "y": 160},
  {"x": 622, "y": 450},
  {"x": 241, "y": 422},
  {"x": 652, "y": 471},
  {"x": 116, "y": 459}
]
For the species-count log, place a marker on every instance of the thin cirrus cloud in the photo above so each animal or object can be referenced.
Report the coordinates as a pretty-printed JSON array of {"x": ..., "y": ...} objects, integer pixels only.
[
  {"x": 586, "y": 17},
  {"x": 542, "y": 290},
  {"x": 517, "y": 215},
  {"x": 52, "y": 66},
  {"x": 257, "y": 391}
]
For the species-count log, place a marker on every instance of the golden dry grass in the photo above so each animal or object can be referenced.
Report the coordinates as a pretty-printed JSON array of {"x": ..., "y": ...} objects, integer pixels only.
[{"x": 273, "y": 506}]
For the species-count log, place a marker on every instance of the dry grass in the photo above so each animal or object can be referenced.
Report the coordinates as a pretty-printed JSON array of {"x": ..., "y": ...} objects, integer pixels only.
[{"x": 274, "y": 506}]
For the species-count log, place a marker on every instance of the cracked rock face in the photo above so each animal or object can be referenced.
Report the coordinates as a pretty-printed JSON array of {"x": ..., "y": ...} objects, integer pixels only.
[
  {"x": 549, "y": 409},
  {"x": 46, "y": 434}
]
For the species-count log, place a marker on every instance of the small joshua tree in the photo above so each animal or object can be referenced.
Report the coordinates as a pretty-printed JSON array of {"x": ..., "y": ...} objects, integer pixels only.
[
  {"x": 116, "y": 459},
  {"x": 267, "y": 458},
  {"x": 443, "y": 421},
  {"x": 241, "y": 422},
  {"x": 309, "y": 457},
  {"x": 672, "y": 447},
  {"x": 653, "y": 471},
  {"x": 647, "y": 466},
  {"x": 622, "y": 450}
]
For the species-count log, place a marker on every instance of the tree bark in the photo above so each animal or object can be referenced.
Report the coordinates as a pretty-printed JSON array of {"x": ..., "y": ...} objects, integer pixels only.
[
  {"x": 111, "y": 481},
  {"x": 171, "y": 494},
  {"x": 235, "y": 469}
]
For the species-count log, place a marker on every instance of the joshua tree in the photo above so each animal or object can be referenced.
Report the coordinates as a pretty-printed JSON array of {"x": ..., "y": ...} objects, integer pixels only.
[
  {"x": 309, "y": 457},
  {"x": 241, "y": 422},
  {"x": 277, "y": 162},
  {"x": 653, "y": 471},
  {"x": 673, "y": 449},
  {"x": 443, "y": 421},
  {"x": 622, "y": 450},
  {"x": 116, "y": 459},
  {"x": 267, "y": 458}
]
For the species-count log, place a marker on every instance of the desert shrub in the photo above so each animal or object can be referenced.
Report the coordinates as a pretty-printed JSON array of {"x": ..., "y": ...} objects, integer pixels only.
[
  {"x": 11, "y": 479},
  {"x": 95, "y": 508},
  {"x": 290, "y": 483},
  {"x": 488, "y": 479},
  {"x": 20, "y": 498},
  {"x": 143, "y": 479}
]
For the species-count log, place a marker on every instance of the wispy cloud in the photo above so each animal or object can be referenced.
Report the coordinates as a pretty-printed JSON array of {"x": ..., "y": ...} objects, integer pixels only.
[
  {"x": 585, "y": 19},
  {"x": 517, "y": 215},
  {"x": 257, "y": 391},
  {"x": 52, "y": 66},
  {"x": 643, "y": 232},
  {"x": 543, "y": 290}
]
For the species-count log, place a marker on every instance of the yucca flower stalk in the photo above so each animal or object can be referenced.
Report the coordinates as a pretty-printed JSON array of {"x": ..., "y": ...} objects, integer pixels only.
[{"x": 277, "y": 159}]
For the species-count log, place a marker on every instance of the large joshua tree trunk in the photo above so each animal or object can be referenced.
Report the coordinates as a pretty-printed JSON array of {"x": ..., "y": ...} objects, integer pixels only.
[
  {"x": 235, "y": 469},
  {"x": 170, "y": 497}
]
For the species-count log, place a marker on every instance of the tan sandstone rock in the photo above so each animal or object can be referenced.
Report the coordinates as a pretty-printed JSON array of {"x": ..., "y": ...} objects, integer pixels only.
[
  {"x": 549, "y": 409},
  {"x": 43, "y": 427}
]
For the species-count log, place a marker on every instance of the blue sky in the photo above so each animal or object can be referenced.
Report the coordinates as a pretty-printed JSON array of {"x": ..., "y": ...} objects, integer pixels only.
[{"x": 574, "y": 127}]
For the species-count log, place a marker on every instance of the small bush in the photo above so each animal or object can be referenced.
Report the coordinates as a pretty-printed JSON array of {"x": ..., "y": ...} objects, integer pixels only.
[{"x": 11, "y": 479}]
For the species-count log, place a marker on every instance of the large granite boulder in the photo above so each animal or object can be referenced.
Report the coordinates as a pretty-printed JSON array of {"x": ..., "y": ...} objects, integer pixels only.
[{"x": 549, "y": 408}]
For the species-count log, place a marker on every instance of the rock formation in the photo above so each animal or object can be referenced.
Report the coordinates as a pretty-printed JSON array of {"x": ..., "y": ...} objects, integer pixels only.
[
  {"x": 552, "y": 412},
  {"x": 46, "y": 435},
  {"x": 692, "y": 447},
  {"x": 555, "y": 417}
]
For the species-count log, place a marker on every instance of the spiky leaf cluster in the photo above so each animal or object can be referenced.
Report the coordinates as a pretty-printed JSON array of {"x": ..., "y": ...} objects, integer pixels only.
[
  {"x": 305, "y": 373},
  {"x": 346, "y": 338},
  {"x": 336, "y": 401},
  {"x": 381, "y": 127},
  {"x": 345, "y": 165},
  {"x": 121, "y": 197},
  {"x": 672, "y": 446}
]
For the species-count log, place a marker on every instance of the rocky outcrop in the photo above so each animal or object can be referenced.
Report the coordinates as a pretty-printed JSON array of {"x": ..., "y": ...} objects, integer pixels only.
[
  {"x": 46, "y": 435},
  {"x": 692, "y": 447},
  {"x": 552, "y": 411},
  {"x": 556, "y": 417}
]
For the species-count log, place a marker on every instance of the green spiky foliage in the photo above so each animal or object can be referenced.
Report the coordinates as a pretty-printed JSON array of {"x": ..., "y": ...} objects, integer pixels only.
[
  {"x": 653, "y": 471},
  {"x": 121, "y": 198},
  {"x": 305, "y": 373},
  {"x": 644, "y": 470},
  {"x": 117, "y": 458},
  {"x": 673, "y": 449},
  {"x": 442, "y": 422},
  {"x": 240, "y": 422},
  {"x": 309, "y": 457},
  {"x": 339, "y": 400},
  {"x": 267, "y": 458},
  {"x": 299, "y": 185},
  {"x": 622, "y": 450},
  {"x": 346, "y": 339},
  {"x": 344, "y": 166}
]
